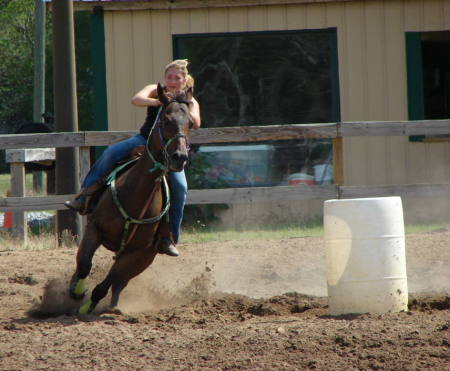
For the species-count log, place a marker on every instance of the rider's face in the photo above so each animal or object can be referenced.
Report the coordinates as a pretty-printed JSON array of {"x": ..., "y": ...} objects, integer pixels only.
[{"x": 174, "y": 80}]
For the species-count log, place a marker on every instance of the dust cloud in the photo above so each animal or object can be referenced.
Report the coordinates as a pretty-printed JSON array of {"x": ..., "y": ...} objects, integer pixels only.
[
  {"x": 256, "y": 269},
  {"x": 262, "y": 269}
]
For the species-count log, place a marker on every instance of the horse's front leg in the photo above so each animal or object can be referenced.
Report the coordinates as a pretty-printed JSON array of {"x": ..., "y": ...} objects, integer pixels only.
[
  {"x": 128, "y": 266},
  {"x": 86, "y": 251}
]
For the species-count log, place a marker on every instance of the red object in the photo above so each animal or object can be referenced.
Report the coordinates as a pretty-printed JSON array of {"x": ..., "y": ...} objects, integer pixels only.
[
  {"x": 301, "y": 181},
  {"x": 8, "y": 219}
]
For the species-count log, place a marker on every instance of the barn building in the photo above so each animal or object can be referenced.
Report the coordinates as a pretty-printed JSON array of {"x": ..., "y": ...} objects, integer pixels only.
[{"x": 267, "y": 62}]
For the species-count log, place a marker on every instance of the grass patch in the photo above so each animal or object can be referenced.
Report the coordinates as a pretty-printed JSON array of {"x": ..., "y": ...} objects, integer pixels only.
[
  {"x": 280, "y": 233},
  {"x": 46, "y": 240},
  {"x": 421, "y": 228},
  {"x": 5, "y": 185},
  {"x": 198, "y": 235}
]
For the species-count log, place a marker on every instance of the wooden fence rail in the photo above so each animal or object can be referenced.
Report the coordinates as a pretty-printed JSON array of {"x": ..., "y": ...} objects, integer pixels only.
[
  {"x": 256, "y": 194},
  {"x": 334, "y": 131},
  {"x": 237, "y": 134}
]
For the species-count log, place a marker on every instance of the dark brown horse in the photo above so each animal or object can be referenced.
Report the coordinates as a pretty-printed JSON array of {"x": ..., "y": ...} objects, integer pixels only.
[{"x": 135, "y": 245}]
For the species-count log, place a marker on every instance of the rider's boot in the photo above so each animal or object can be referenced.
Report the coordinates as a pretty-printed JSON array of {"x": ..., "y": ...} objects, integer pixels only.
[
  {"x": 165, "y": 242},
  {"x": 167, "y": 246},
  {"x": 81, "y": 201}
]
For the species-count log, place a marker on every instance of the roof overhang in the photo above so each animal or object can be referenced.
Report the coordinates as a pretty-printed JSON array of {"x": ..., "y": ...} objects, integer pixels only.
[{"x": 185, "y": 4}]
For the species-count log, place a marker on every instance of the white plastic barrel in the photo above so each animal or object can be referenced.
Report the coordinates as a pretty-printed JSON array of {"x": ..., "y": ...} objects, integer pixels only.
[{"x": 365, "y": 253}]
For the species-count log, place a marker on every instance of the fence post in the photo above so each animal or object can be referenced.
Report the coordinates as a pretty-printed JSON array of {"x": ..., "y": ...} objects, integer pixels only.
[
  {"x": 19, "y": 230},
  {"x": 338, "y": 161}
]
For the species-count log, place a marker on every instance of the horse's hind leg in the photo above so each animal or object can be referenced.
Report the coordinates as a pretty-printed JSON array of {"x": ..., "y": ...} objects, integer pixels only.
[{"x": 86, "y": 250}]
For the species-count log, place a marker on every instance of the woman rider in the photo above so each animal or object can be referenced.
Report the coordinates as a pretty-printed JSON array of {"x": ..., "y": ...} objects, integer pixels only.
[{"x": 177, "y": 80}]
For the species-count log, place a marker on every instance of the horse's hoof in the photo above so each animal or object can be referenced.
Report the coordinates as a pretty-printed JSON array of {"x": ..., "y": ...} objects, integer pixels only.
[
  {"x": 77, "y": 289},
  {"x": 113, "y": 310},
  {"x": 85, "y": 308}
]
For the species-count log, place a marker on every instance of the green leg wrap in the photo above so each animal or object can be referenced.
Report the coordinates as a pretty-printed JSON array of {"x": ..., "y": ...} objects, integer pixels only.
[
  {"x": 80, "y": 288},
  {"x": 85, "y": 308}
]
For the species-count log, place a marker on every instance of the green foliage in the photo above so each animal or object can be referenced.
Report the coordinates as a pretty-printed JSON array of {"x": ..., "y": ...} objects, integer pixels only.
[
  {"x": 85, "y": 94},
  {"x": 17, "y": 61},
  {"x": 16, "y": 68}
]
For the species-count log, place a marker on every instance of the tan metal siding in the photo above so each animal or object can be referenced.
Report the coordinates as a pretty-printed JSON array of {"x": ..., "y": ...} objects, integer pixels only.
[
  {"x": 375, "y": 78},
  {"x": 372, "y": 69},
  {"x": 316, "y": 16},
  {"x": 355, "y": 168},
  {"x": 276, "y": 18},
  {"x": 142, "y": 58},
  {"x": 124, "y": 67},
  {"x": 237, "y": 19},
  {"x": 218, "y": 20},
  {"x": 394, "y": 103},
  {"x": 296, "y": 17},
  {"x": 199, "y": 21}
]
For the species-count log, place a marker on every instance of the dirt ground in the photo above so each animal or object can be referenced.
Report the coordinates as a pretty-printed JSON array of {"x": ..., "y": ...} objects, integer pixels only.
[{"x": 247, "y": 305}]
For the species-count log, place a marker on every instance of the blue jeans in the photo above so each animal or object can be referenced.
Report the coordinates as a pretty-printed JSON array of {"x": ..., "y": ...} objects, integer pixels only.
[{"x": 117, "y": 152}]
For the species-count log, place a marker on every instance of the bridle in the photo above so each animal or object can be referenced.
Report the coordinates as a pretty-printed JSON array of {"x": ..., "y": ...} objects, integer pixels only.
[{"x": 164, "y": 166}]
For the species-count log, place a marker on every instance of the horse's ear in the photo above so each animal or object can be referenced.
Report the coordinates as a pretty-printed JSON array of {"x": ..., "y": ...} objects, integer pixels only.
[
  {"x": 189, "y": 94},
  {"x": 161, "y": 95}
]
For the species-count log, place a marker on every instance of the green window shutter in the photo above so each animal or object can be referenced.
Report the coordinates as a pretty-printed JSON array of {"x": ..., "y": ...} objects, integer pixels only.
[
  {"x": 99, "y": 74},
  {"x": 415, "y": 80}
]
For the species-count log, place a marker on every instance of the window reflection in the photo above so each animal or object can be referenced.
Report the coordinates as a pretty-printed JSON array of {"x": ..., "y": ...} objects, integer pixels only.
[{"x": 263, "y": 78}]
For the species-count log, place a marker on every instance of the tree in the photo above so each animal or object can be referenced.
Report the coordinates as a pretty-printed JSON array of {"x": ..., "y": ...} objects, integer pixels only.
[{"x": 16, "y": 68}]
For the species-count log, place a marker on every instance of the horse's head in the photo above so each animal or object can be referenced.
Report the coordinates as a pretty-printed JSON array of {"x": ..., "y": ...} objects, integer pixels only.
[{"x": 175, "y": 124}]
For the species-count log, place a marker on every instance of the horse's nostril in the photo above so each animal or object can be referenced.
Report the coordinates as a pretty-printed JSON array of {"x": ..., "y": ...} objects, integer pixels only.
[{"x": 179, "y": 157}]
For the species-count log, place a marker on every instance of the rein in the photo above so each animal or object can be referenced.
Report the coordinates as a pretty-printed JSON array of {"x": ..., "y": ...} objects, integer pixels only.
[{"x": 164, "y": 167}]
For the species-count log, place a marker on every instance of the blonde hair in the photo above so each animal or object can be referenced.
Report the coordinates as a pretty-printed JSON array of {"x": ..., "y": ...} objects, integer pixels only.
[{"x": 181, "y": 66}]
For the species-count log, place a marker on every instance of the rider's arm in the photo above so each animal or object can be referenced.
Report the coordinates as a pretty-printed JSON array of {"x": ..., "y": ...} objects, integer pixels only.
[
  {"x": 194, "y": 109},
  {"x": 146, "y": 97}
]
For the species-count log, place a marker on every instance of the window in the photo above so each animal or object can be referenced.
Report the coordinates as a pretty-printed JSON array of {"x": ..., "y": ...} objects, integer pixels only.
[
  {"x": 263, "y": 78},
  {"x": 428, "y": 62}
]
